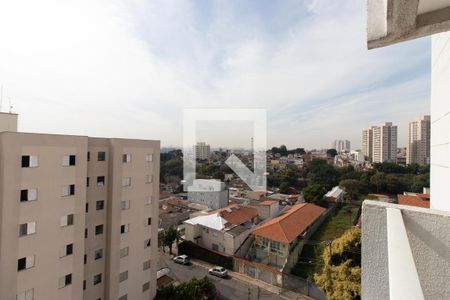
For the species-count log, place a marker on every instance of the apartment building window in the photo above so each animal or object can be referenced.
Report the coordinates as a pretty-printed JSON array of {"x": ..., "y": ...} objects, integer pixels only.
[
  {"x": 123, "y": 297},
  {"x": 99, "y": 229},
  {"x": 87, "y": 207},
  {"x": 98, "y": 254},
  {"x": 66, "y": 220},
  {"x": 275, "y": 246},
  {"x": 148, "y": 222},
  {"x": 84, "y": 285},
  {"x": 126, "y": 158},
  {"x": 26, "y": 295},
  {"x": 148, "y": 178},
  {"x": 65, "y": 281},
  {"x": 148, "y": 200},
  {"x": 146, "y": 286},
  {"x": 101, "y": 156},
  {"x": 69, "y": 160},
  {"x": 88, "y": 156},
  {"x": 25, "y": 263},
  {"x": 85, "y": 259},
  {"x": 265, "y": 242},
  {"x": 146, "y": 265},
  {"x": 125, "y": 204},
  {"x": 68, "y": 190},
  {"x": 27, "y": 228},
  {"x": 99, "y": 205},
  {"x": 124, "y": 251},
  {"x": 30, "y": 161},
  {"x": 123, "y": 276},
  {"x": 100, "y": 180},
  {"x": 28, "y": 195},
  {"x": 147, "y": 243},
  {"x": 85, "y": 233},
  {"x": 97, "y": 279},
  {"x": 149, "y": 157},
  {"x": 67, "y": 250},
  {"x": 124, "y": 228},
  {"x": 126, "y": 181}
]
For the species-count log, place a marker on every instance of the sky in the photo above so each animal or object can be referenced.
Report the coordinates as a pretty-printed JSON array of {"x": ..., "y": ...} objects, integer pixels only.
[{"x": 128, "y": 69}]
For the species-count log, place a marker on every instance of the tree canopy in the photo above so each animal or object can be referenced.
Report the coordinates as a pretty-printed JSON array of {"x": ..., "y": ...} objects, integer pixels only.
[{"x": 202, "y": 289}]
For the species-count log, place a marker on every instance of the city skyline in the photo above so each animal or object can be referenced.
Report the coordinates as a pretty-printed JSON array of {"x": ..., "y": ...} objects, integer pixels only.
[{"x": 130, "y": 69}]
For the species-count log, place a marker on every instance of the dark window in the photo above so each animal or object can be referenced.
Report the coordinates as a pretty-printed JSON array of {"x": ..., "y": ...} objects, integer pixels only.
[
  {"x": 68, "y": 279},
  {"x": 85, "y": 259},
  {"x": 72, "y": 189},
  {"x": 98, "y": 254},
  {"x": 21, "y": 264},
  {"x": 25, "y": 161},
  {"x": 100, "y": 180},
  {"x": 72, "y": 160},
  {"x": 101, "y": 156},
  {"x": 69, "y": 249},
  {"x": 87, "y": 181},
  {"x": 99, "y": 205},
  {"x": 24, "y": 195},
  {"x": 87, "y": 207},
  {"x": 97, "y": 279},
  {"x": 149, "y": 221},
  {"x": 85, "y": 233},
  {"x": 88, "y": 156},
  {"x": 99, "y": 229},
  {"x": 84, "y": 284}
]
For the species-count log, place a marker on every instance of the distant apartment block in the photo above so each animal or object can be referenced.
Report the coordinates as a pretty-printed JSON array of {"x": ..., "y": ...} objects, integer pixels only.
[
  {"x": 418, "y": 147},
  {"x": 209, "y": 192},
  {"x": 380, "y": 143},
  {"x": 202, "y": 150},
  {"x": 341, "y": 146},
  {"x": 77, "y": 216}
]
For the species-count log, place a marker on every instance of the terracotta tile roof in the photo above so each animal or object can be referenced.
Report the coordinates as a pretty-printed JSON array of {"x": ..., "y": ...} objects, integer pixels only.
[
  {"x": 424, "y": 196},
  {"x": 268, "y": 202},
  {"x": 291, "y": 224},
  {"x": 413, "y": 201},
  {"x": 380, "y": 196},
  {"x": 236, "y": 214}
]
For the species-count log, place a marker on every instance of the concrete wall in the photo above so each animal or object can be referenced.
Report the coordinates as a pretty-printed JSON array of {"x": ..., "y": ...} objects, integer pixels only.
[
  {"x": 213, "y": 200},
  {"x": 440, "y": 121},
  {"x": 429, "y": 240},
  {"x": 8, "y": 122}
]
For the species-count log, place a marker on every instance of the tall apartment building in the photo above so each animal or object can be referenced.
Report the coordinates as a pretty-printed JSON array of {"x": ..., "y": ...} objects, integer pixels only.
[
  {"x": 341, "y": 145},
  {"x": 202, "y": 150},
  {"x": 418, "y": 147},
  {"x": 367, "y": 145},
  {"x": 384, "y": 143},
  {"x": 77, "y": 216}
]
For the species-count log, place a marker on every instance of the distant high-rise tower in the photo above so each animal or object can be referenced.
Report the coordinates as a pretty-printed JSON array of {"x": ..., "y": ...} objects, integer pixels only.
[
  {"x": 341, "y": 145},
  {"x": 418, "y": 147},
  {"x": 367, "y": 145},
  {"x": 384, "y": 143},
  {"x": 202, "y": 150}
]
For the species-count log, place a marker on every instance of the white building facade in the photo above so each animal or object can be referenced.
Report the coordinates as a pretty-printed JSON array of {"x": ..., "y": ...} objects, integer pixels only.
[{"x": 418, "y": 147}]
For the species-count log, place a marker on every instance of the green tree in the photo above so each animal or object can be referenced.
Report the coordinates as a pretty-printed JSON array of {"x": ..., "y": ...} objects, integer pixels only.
[
  {"x": 314, "y": 193},
  {"x": 284, "y": 187},
  {"x": 331, "y": 152},
  {"x": 379, "y": 182},
  {"x": 341, "y": 275},
  {"x": 352, "y": 188},
  {"x": 319, "y": 171},
  {"x": 168, "y": 237},
  {"x": 194, "y": 289}
]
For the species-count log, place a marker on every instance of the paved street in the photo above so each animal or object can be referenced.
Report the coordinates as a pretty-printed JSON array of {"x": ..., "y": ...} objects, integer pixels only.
[{"x": 230, "y": 288}]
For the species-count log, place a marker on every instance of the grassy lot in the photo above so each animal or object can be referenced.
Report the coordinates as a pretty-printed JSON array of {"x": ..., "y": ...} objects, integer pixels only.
[{"x": 310, "y": 261}]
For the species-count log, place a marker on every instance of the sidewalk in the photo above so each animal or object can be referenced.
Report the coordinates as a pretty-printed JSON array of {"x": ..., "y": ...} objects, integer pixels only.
[{"x": 286, "y": 294}]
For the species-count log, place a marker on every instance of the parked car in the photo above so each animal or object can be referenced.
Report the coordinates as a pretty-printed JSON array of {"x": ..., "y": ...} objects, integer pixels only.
[
  {"x": 182, "y": 259},
  {"x": 219, "y": 272}
]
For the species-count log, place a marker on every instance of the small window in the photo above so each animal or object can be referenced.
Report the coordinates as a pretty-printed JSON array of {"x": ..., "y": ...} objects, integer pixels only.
[
  {"x": 148, "y": 222},
  {"x": 124, "y": 251},
  {"x": 99, "y": 229},
  {"x": 26, "y": 295},
  {"x": 85, "y": 259},
  {"x": 124, "y": 228},
  {"x": 123, "y": 297},
  {"x": 84, "y": 285},
  {"x": 66, "y": 220},
  {"x": 67, "y": 250},
  {"x": 149, "y": 157},
  {"x": 125, "y": 204},
  {"x": 68, "y": 190},
  {"x": 146, "y": 286},
  {"x": 123, "y": 276},
  {"x": 126, "y": 181},
  {"x": 148, "y": 200},
  {"x": 146, "y": 265},
  {"x": 87, "y": 181},
  {"x": 148, "y": 178},
  {"x": 65, "y": 281},
  {"x": 101, "y": 156},
  {"x": 100, "y": 180},
  {"x": 147, "y": 243},
  {"x": 98, "y": 254},
  {"x": 25, "y": 263},
  {"x": 126, "y": 158},
  {"x": 69, "y": 160},
  {"x": 99, "y": 205},
  {"x": 97, "y": 279},
  {"x": 29, "y": 161},
  {"x": 27, "y": 228},
  {"x": 87, "y": 207},
  {"x": 85, "y": 233},
  {"x": 28, "y": 195},
  {"x": 89, "y": 156}
]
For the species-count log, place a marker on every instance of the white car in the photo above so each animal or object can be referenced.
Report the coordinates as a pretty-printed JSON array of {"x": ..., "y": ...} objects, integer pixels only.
[
  {"x": 218, "y": 271},
  {"x": 182, "y": 259}
]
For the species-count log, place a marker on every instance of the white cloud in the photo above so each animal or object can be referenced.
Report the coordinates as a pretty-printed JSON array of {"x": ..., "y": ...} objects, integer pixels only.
[{"x": 112, "y": 68}]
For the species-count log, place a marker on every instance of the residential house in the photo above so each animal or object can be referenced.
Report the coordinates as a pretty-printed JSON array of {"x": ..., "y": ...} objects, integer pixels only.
[{"x": 335, "y": 195}]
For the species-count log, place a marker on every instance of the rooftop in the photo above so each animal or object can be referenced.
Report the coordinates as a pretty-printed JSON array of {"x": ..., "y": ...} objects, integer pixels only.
[
  {"x": 414, "y": 200},
  {"x": 292, "y": 223}
]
